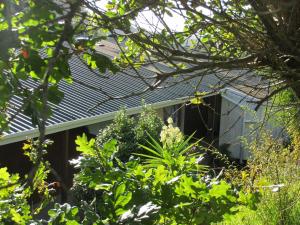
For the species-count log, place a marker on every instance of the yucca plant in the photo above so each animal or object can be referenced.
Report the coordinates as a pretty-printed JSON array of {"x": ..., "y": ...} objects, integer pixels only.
[{"x": 173, "y": 151}]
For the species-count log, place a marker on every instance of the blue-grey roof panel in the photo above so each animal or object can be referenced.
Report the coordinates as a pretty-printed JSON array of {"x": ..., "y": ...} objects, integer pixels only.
[{"x": 90, "y": 88}]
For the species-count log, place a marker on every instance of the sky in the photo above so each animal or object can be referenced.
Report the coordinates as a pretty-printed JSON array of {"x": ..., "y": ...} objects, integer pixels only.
[
  {"x": 175, "y": 22},
  {"x": 147, "y": 17}
]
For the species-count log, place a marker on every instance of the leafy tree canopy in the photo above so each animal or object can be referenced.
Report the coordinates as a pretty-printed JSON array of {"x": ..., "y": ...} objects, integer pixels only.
[{"x": 39, "y": 37}]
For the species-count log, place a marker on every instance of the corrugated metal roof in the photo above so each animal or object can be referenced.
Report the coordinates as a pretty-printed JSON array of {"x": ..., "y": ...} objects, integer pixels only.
[{"x": 89, "y": 88}]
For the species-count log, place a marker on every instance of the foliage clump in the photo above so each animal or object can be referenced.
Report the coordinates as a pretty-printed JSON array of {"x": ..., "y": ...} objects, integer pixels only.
[
  {"x": 129, "y": 132},
  {"x": 163, "y": 185},
  {"x": 14, "y": 208},
  {"x": 273, "y": 171}
]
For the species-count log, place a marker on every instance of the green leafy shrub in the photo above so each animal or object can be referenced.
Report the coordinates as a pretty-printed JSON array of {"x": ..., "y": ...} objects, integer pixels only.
[
  {"x": 62, "y": 214},
  {"x": 169, "y": 187},
  {"x": 134, "y": 193},
  {"x": 148, "y": 123},
  {"x": 274, "y": 171},
  {"x": 173, "y": 151},
  {"x": 276, "y": 164},
  {"x": 130, "y": 132},
  {"x": 122, "y": 130},
  {"x": 14, "y": 208},
  {"x": 21, "y": 200}
]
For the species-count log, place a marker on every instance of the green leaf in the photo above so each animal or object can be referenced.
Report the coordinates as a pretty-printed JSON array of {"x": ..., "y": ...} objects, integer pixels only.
[
  {"x": 54, "y": 94},
  {"x": 110, "y": 6},
  {"x": 74, "y": 211},
  {"x": 120, "y": 211},
  {"x": 123, "y": 199},
  {"x": 36, "y": 63},
  {"x": 103, "y": 186},
  {"x": 148, "y": 156},
  {"x": 150, "y": 150},
  {"x": 52, "y": 213},
  {"x": 198, "y": 98},
  {"x": 120, "y": 190},
  {"x": 72, "y": 222},
  {"x": 219, "y": 190},
  {"x": 85, "y": 146},
  {"x": 154, "y": 144},
  {"x": 16, "y": 217},
  {"x": 196, "y": 101},
  {"x": 103, "y": 63}
]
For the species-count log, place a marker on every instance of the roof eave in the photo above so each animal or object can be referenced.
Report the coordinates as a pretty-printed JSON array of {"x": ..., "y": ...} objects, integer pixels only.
[{"x": 55, "y": 128}]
